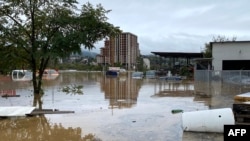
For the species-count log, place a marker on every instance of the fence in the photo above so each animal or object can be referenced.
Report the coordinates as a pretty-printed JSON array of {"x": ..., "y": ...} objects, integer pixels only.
[
  {"x": 209, "y": 82},
  {"x": 240, "y": 77}
]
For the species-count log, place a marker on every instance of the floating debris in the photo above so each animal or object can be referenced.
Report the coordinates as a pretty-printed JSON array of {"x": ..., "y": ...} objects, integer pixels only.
[
  {"x": 175, "y": 111},
  {"x": 73, "y": 89}
]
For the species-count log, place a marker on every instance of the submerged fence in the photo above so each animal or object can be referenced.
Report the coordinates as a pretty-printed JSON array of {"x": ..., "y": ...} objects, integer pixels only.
[
  {"x": 210, "y": 82},
  {"x": 224, "y": 76}
]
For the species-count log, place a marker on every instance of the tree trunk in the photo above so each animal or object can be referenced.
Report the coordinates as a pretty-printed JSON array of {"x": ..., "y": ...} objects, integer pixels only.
[{"x": 37, "y": 101}]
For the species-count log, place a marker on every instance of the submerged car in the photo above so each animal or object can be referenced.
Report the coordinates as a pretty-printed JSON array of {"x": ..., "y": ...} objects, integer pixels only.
[
  {"x": 150, "y": 74},
  {"x": 137, "y": 75}
]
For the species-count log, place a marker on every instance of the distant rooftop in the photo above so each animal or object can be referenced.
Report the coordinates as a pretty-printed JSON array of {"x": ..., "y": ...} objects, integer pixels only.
[{"x": 178, "y": 54}]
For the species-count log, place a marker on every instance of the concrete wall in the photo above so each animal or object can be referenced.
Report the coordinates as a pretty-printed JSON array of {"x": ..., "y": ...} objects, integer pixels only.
[{"x": 229, "y": 51}]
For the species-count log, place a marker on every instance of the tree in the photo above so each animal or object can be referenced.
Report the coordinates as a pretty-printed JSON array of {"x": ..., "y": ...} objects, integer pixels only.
[
  {"x": 35, "y": 32},
  {"x": 208, "y": 50}
]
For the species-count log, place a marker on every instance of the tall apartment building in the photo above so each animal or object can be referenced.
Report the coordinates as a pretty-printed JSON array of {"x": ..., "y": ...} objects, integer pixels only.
[{"x": 122, "y": 49}]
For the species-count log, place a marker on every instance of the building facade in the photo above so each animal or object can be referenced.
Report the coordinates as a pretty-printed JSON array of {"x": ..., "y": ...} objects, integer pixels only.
[
  {"x": 122, "y": 49},
  {"x": 230, "y": 68},
  {"x": 231, "y": 55}
]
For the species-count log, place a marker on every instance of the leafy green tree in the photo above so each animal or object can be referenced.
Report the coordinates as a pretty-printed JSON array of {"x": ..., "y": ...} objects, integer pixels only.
[
  {"x": 208, "y": 50},
  {"x": 140, "y": 65},
  {"x": 35, "y": 32}
]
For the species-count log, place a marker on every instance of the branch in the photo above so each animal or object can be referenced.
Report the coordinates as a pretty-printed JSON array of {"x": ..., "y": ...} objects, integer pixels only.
[{"x": 20, "y": 25}]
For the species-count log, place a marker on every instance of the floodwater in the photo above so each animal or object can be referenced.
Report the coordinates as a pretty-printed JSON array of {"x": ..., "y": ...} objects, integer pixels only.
[{"x": 111, "y": 109}]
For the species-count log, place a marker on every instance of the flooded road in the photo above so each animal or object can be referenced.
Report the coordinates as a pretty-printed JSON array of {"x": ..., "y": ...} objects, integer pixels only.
[{"x": 111, "y": 109}]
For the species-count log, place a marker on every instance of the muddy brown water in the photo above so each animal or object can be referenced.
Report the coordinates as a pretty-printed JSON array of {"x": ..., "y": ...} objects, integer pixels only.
[{"x": 112, "y": 109}]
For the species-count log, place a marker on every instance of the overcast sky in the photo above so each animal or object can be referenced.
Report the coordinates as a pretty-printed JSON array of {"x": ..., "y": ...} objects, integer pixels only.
[{"x": 178, "y": 25}]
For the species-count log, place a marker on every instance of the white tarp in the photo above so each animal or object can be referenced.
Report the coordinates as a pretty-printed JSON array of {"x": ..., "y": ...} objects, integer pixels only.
[{"x": 15, "y": 111}]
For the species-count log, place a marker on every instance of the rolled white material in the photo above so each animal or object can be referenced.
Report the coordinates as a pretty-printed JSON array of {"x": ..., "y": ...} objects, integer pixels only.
[{"x": 207, "y": 120}]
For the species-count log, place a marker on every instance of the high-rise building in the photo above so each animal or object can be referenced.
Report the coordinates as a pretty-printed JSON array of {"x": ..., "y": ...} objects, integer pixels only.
[{"x": 122, "y": 49}]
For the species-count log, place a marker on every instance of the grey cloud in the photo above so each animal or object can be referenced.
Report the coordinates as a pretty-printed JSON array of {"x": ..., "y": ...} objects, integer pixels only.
[{"x": 179, "y": 25}]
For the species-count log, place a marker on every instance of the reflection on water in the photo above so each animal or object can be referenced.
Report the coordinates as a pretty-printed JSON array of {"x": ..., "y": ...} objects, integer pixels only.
[
  {"x": 119, "y": 108},
  {"x": 39, "y": 128},
  {"x": 122, "y": 92},
  {"x": 174, "y": 89},
  {"x": 186, "y": 88}
]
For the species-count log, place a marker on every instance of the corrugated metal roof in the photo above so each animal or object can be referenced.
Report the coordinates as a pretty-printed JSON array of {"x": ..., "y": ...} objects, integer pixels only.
[{"x": 179, "y": 54}]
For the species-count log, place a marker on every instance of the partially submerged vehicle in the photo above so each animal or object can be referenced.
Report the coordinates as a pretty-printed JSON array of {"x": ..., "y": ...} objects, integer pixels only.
[
  {"x": 26, "y": 75},
  {"x": 21, "y": 75},
  {"x": 171, "y": 78},
  {"x": 137, "y": 75},
  {"x": 112, "y": 73},
  {"x": 50, "y": 74},
  {"x": 150, "y": 74}
]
